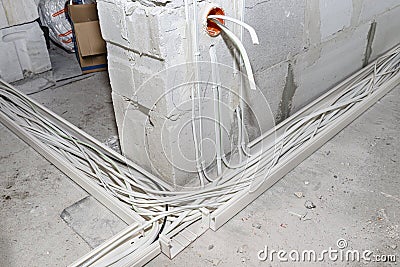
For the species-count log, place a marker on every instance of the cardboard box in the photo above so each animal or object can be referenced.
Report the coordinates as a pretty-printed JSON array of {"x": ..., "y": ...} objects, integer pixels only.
[{"x": 89, "y": 45}]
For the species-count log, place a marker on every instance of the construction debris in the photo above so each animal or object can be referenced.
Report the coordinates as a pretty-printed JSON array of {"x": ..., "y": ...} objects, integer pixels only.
[
  {"x": 309, "y": 204},
  {"x": 299, "y": 194}
]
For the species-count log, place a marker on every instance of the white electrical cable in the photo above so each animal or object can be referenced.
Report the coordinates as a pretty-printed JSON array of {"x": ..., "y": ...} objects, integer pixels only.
[
  {"x": 217, "y": 115},
  {"x": 241, "y": 143},
  {"x": 239, "y": 111},
  {"x": 242, "y": 50},
  {"x": 198, "y": 145},
  {"x": 253, "y": 34}
]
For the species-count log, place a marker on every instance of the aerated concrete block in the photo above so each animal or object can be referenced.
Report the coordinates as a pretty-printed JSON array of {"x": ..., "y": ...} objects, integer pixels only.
[
  {"x": 131, "y": 124},
  {"x": 280, "y": 27},
  {"x": 335, "y": 16},
  {"x": 129, "y": 71},
  {"x": 23, "y": 52},
  {"x": 387, "y": 33},
  {"x": 17, "y": 12},
  {"x": 372, "y": 8}
]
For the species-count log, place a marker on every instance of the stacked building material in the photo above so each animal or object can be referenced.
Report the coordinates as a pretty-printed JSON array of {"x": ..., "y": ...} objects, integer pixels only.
[{"x": 23, "y": 50}]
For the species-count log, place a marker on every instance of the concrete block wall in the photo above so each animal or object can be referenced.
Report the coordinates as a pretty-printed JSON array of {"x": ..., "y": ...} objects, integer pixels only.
[
  {"x": 306, "y": 47},
  {"x": 353, "y": 44},
  {"x": 327, "y": 41}
]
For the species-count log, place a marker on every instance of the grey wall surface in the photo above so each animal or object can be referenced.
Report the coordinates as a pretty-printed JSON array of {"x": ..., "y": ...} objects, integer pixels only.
[
  {"x": 306, "y": 47},
  {"x": 309, "y": 46}
]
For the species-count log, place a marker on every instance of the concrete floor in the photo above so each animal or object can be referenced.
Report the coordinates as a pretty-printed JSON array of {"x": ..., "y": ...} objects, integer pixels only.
[{"x": 353, "y": 180}]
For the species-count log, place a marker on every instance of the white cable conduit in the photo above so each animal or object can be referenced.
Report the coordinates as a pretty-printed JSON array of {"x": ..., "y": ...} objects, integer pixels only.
[
  {"x": 151, "y": 235},
  {"x": 148, "y": 200}
]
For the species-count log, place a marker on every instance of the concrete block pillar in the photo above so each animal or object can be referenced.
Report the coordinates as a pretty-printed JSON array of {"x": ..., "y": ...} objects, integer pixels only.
[{"x": 152, "y": 47}]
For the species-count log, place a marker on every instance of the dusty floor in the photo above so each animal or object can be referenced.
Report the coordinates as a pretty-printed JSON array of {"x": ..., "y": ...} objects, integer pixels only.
[{"x": 353, "y": 180}]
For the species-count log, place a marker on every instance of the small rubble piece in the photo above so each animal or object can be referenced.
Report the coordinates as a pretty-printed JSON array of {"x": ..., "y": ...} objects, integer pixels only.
[
  {"x": 283, "y": 225},
  {"x": 306, "y": 182},
  {"x": 295, "y": 214},
  {"x": 301, "y": 217},
  {"x": 309, "y": 205},
  {"x": 382, "y": 215},
  {"x": 392, "y": 232},
  {"x": 113, "y": 143},
  {"x": 256, "y": 225},
  {"x": 298, "y": 194},
  {"x": 210, "y": 247},
  {"x": 247, "y": 217},
  {"x": 240, "y": 250},
  {"x": 214, "y": 262}
]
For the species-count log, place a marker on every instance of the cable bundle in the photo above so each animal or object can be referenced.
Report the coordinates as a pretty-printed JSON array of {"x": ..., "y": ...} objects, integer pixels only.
[{"x": 168, "y": 210}]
